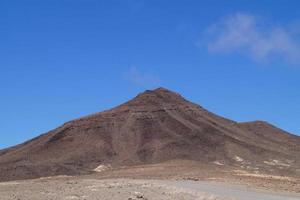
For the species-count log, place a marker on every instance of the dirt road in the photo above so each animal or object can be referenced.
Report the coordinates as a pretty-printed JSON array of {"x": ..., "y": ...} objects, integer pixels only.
[{"x": 230, "y": 190}]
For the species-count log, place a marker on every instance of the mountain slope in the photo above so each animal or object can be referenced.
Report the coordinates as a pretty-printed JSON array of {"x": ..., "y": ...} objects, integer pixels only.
[{"x": 154, "y": 127}]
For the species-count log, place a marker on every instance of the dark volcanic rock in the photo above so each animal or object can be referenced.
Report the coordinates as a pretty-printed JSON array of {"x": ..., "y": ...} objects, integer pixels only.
[{"x": 153, "y": 127}]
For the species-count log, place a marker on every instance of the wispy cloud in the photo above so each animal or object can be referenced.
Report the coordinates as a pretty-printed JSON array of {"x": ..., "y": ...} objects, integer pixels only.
[
  {"x": 247, "y": 34},
  {"x": 143, "y": 79}
]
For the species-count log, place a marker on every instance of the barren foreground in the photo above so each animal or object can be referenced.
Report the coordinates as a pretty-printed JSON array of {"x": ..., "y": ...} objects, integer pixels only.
[{"x": 59, "y": 188}]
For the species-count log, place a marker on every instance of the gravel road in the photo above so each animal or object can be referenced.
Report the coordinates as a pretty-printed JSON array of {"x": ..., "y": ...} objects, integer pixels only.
[{"x": 229, "y": 190}]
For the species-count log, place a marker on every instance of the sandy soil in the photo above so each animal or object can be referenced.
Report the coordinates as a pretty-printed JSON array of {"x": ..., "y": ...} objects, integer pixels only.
[{"x": 59, "y": 188}]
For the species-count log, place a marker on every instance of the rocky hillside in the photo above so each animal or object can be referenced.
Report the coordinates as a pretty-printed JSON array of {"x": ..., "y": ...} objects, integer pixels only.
[{"x": 154, "y": 127}]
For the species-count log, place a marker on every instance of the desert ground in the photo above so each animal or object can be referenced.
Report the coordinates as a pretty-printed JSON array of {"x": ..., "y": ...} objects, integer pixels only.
[
  {"x": 166, "y": 181},
  {"x": 58, "y": 188}
]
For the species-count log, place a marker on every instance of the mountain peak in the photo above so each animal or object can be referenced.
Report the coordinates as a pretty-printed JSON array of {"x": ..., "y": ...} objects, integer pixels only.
[
  {"x": 162, "y": 89},
  {"x": 157, "y": 96},
  {"x": 159, "y": 90}
]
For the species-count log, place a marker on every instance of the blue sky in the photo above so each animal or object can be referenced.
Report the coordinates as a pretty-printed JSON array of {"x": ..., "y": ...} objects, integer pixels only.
[{"x": 61, "y": 59}]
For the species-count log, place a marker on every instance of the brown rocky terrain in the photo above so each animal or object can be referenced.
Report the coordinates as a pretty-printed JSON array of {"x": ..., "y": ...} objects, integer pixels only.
[{"x": 155, "y": 127}]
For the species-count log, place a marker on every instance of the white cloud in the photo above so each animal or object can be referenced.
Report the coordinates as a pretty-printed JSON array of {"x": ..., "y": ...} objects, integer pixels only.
[
  {"x": 247, "y": 34},
  {"x": 136, "y": 77}
]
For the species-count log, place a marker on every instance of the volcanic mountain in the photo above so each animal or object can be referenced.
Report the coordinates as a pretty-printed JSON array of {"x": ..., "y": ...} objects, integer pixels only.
[{"x": 156, "y": 126}]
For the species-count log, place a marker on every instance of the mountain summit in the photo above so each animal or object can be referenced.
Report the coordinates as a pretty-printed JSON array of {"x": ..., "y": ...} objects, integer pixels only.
[{"x": 156, "y": 126}]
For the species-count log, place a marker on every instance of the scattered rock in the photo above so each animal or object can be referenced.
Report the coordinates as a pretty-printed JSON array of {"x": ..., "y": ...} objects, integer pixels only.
[
  {"x": 136, "y": 196},
  {"x": 102, "y": 168},
  {"x": 219, "y": 163},
  {"x": 192, "y": 179}
]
